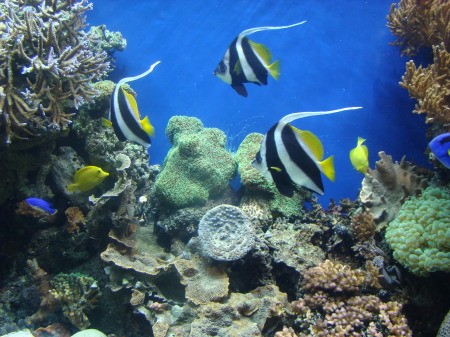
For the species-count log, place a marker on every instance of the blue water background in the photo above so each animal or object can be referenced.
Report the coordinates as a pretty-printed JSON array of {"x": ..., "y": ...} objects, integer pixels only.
[{"x": 339, "y": 58}]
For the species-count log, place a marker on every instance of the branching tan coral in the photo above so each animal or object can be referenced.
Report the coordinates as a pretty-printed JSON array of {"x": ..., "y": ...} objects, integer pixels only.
[
  {"x": 333, "y": 277},
  {"x": 325, "y": 312},
  {"x": 430, "y": 86},
  {"x": 46, "y": 65},
  {"x": 363, "y": 226},
  {"x": 420, "y": 23}
]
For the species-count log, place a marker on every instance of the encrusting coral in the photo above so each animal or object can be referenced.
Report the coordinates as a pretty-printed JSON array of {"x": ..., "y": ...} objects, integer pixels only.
[
  {"x": 419, "y": 23},
  {"x": 46, "y": 65},
  {"x": 197, "y": 167}
]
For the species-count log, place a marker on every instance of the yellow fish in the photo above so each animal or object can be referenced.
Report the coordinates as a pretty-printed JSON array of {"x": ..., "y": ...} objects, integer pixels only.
[
  {"x": 359, "y": 156},
  {"x": 87, "y": 178}
]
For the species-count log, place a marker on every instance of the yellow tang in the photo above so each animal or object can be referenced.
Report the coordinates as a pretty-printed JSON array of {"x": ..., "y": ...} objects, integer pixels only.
[
  {"x": 87, "y": 178},
  {"x": 359, "y": 156}
]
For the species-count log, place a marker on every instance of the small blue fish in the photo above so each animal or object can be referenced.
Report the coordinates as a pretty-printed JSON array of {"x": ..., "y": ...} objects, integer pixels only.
[
  {"x": 440, "y": 146},
  {"x": 40, "y": 205}
]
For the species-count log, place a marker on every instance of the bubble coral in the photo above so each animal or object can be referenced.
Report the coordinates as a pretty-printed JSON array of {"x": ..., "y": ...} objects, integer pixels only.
[{"x": 420, "y": 234}]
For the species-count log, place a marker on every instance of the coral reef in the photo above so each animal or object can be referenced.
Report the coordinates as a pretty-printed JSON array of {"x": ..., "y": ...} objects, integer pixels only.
[
  {"x": 430, "y": 86},
  {"x": 333, "y": 305},
  {"x": 386, "y": 188},
  {"x": 293, "y": 244},
  {"x": 226, "y": 234},
  {"x": 197, "y": 167},
  {"x": 46, "y": 66},
  {"x": 420, "y": 234},
  {"x": 77, "y": 294},
  {"x": 419, "y": 23}
]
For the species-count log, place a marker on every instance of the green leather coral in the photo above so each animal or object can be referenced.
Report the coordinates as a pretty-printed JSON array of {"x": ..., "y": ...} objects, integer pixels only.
[
  {"x": 420, "y": 234},
  {"x": 197, "y": 167}
]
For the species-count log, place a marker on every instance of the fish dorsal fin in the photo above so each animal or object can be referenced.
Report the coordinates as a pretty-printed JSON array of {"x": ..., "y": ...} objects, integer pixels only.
[
  {"x": 297, "y": 115},
  {"x": 147, "y": 126},
  {"x": 360, "y": 141},
  {"x": 262, "y": 51},
  {"x": 328, "y": 168},
  {"x": 132, "y": 102},
  {"x": 238, "y": 68},
  {"x": 311, "y": 141},
  {"x": 129, "y": 79},
  {"x": 258, "y": 29}
]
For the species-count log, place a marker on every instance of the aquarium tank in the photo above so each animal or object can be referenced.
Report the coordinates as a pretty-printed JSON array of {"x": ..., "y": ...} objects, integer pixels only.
[{"x": 224, "y": 168}]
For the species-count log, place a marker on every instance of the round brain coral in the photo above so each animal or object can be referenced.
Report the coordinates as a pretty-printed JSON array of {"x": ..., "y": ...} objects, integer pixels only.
[
  {"x": 420, "y": 234},
  {"x": 225, "y": 233}
]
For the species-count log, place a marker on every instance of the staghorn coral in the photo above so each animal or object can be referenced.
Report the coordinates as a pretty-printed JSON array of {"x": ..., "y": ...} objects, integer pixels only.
[
  {"x": 226, "y": 233},
  {"x": 430, "y": 86},
  {"x": 419, "y": 23},
  {"x": 46, "y": 65},
  {"x": 386, "y": 188}
]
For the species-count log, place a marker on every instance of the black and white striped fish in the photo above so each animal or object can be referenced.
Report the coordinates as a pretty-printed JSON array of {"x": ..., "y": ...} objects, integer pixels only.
[
  {"x": 124, "y": 115},
  {"x": 246, "y": 61},
  {"x": 288, "y": 155}
]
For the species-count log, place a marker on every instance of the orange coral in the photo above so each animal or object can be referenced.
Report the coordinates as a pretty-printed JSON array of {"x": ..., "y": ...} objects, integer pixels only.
[
  {"x": 74, "y": 218},
  {"x": 419, "y": 23},
  {"x": 430, "y": 86}
]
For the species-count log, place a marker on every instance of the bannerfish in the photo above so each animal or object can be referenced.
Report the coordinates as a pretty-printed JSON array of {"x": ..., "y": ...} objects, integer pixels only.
[
  {"x": 440, "y": 146},
  {"x": 288, "y": 155},
  {"x": 124, "y": 115},
  {"x": 246, "y": 61},
  {"x": 87, "y": 178},
  {"x": 41, "y": 205},
  {"x": 359, "y": 156}
]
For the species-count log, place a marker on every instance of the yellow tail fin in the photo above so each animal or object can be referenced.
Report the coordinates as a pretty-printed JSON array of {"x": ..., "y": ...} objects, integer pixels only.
[
  {"x": 274, "y": 70},
  {"x": 106, "y": 122},
  {"x": 72, "y": 187},
  {"x": 147, "y": 126},
  {"x": 328, "y": 168}
]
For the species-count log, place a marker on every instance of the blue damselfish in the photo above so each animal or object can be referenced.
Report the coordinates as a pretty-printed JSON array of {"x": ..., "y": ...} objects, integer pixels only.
[{"x": 41, "y": 205}]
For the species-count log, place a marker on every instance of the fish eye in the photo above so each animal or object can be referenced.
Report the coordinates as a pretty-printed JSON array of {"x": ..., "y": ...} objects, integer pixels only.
[{"x": 221, "y": 68}]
